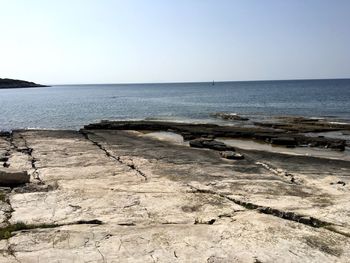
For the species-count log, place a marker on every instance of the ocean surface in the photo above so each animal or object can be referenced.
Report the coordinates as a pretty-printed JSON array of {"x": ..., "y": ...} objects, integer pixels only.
[{"x": 72, "y": 106}]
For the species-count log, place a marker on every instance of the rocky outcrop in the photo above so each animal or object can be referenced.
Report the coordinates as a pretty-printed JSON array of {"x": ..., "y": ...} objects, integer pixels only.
[
  {"x": 195, "y": 131},
  {"x": 14, "y": 83},
  {"x": 304, "y": 124},
  {"x": 231, "y": 155},
  {"x": 229, "y": 116},
  {"x": 210, "y": 144}
]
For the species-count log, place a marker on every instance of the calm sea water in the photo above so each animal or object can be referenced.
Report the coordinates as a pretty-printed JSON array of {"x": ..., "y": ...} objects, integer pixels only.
[{"x": 71, "y": 106}]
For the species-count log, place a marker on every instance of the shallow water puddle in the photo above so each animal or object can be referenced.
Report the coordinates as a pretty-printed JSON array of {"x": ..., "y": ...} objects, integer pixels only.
[{"x": 166, "y": 136}]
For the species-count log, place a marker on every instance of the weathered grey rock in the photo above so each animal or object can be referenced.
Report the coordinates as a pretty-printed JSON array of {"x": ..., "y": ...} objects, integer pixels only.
[
  {"x": 12, "y": 177},
  {"x": 231, "y": 155}
]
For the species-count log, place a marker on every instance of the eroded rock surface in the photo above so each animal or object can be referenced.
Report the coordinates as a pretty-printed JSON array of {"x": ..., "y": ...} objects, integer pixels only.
[{"x": 119, "y": 196}]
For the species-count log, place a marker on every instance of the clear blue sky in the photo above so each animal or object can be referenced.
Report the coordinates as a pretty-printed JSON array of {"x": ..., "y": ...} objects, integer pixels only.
[{"x": 111, "y": 41}]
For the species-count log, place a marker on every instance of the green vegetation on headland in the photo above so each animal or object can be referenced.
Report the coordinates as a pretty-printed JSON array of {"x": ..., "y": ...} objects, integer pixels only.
[{"x": 14, "y": 84}]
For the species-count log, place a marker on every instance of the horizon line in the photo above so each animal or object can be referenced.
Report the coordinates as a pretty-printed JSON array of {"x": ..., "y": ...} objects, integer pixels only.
[{"x": 194, "y": 82}]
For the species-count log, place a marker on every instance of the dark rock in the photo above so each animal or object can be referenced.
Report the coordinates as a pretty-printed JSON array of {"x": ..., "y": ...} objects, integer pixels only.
[
  {"x": 339, "y": 182},
  {"x": 210, "y": 144},
  {"x": 230, "y": 116},
  {"x": 10, "y": 177},
  {"x": 231, "y": 155},
  {"x": 31, "y": 188},
  {"x": 263, "y": 136},
  {"x": 304, "y": 124},
  {"x": 192, "y": 131},
  {"x": 14, "y": 83},
  {"x": 340, "y": 146},
  {"x": 5, "y": 134},
  {"x": 4, "y": 158},
  {"x": 286, "y": 141}
]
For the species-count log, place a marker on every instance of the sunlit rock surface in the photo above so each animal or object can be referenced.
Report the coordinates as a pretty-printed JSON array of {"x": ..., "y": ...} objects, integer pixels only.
[{"x": 121, "y": 196}]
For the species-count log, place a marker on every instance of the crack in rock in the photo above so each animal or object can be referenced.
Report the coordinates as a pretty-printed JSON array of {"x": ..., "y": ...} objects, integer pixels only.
[
  {"x": 10, "y": 251},
  {"x": 306, "y": 220},
  {"x": 278, "y": 171},
  {"x": 8, "y": 214},
  {"x": 96, "y": 244},
  {"x": 209, "y": 222},
  {"x": 9, "y": 211},
  {"x": 114, "y": 157},
  {"x": 25, "y": 150},
  {"x": 126, "y": 224},
  {"x": 8, "y": 138},
  {"x": 7, "y": 232},
  {"x": 29, "y": 151}
]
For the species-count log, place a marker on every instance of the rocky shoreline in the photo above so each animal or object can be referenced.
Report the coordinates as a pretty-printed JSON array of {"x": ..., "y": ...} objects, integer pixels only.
[
  {"x": 289, "y": 134},
  {"x": 110, "y": 193}
]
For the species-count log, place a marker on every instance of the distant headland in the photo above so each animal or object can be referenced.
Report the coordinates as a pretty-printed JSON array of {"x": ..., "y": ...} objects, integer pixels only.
[{"x": 15, "y": 83}]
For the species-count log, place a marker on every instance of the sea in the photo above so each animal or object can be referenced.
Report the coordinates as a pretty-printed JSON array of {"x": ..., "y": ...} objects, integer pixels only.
[{"x": 72, "y": 106}]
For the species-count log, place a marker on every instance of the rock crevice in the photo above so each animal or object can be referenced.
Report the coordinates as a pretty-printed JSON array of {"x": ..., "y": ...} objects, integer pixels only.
[
  {"x": 118, "y": 159},
  {"x": 306, "y": 220}
]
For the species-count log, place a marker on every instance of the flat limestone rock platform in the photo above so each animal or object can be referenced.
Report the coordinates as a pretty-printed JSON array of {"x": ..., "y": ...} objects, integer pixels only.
[{"x": 120, "y": 196}]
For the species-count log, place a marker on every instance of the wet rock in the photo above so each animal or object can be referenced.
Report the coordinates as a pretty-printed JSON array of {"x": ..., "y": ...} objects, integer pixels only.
[
  {"x": 193, "y": 131},
  {"x": 210, "y": 144},
  {"x": 188, "y": 136},
  {"x": 5, "y": 134},
  {"x": 231, "y": 155},
  {"x": 230, "y": 116},
  {"x": 12, "y": 177},
  {"x": 262, "y": 136},
  {"x": 304, "y": 124},
  {"x": 340, "y": 146}
]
